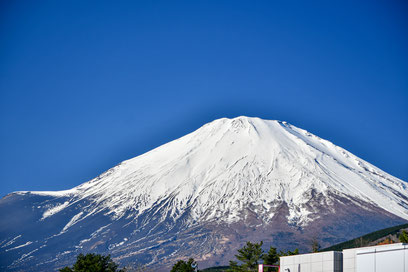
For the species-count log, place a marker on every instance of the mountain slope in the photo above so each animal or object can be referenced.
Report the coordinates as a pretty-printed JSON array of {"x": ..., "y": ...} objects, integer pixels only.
[
  {"x": 371, "y": 239},
  {"x": 204, "y": 194}
]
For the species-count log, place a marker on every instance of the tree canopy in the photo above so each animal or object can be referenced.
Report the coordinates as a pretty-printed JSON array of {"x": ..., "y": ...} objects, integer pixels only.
[
  {"x": 403, "y": 237},
  {"x": 315, "y": 246},
  {"x": 251, "y": 255},
  {"x": 182, "y": 266},
  {"x": 271, "y": 257},
  {"x": 93, "y": 263}
]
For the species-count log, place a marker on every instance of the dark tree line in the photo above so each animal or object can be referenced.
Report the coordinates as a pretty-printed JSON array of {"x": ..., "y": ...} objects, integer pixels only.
[
  {"x": 247, "y": 259},
  {"x": 251, "y": 255}
]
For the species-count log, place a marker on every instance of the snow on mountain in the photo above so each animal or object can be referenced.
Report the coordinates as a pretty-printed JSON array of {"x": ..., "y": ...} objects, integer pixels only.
[
  {"x": 224, "y": 173},
  {"x": 218, "y": 169}
]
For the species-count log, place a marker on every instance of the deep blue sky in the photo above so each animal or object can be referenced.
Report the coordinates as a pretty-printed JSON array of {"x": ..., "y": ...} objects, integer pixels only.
[{"x": 87, "y": 84}]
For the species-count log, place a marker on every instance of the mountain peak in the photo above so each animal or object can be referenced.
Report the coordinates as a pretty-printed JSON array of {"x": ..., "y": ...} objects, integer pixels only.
[
  {"x": 242, "y": 160},
  {"x": 215, "y": 185}
]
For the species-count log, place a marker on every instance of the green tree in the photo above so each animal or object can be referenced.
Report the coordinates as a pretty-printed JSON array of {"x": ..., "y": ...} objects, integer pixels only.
[
  {"x": 360, "y": 242},
  {"x": 288, "y": 253},
  {"x": 315, "y": 246},
  {"x": 249, "y": 256},
  {"x": 182, "y": 266},
  {"x": 295, "y": 252},
  {"x": 272, "y": 257},
  {"x": 403, "y": 237},
  {"x": 93, "y": 263},
  {"x": 234, "y": 267}
]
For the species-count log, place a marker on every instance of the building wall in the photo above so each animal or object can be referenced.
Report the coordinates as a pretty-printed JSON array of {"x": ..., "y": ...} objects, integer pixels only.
[
  {"x": 314, "y": 262},
  {"x": 384, "y": 258},
  {"x": 349, "y": 259}
]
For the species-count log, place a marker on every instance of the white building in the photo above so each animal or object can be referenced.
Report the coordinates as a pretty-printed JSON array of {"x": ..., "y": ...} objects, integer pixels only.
[
  {"x": 384, "y": 258},
  {"x": 330, "y": 261}
]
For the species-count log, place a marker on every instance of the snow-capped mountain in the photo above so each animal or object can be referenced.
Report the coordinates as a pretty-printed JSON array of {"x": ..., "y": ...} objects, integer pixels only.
[{"x": 203, "y": 195}]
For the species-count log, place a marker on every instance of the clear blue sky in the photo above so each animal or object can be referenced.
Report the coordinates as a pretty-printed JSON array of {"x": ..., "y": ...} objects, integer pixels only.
[{"x": 85, "y": 85}]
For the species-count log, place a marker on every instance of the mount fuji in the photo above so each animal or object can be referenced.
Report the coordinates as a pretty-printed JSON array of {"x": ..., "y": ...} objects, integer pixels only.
[{"x": 202, "y": 196}]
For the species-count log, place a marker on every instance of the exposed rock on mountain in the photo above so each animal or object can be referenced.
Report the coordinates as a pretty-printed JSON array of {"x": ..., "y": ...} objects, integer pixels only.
[{"x": 203, "y": 196}]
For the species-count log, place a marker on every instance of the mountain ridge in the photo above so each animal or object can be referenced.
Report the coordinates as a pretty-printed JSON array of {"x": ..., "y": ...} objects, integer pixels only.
[{"x": 227, "y": 178}]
